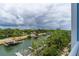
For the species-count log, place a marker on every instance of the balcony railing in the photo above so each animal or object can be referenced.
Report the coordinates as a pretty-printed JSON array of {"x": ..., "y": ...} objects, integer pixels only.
[{"x": 74, "y": 51}]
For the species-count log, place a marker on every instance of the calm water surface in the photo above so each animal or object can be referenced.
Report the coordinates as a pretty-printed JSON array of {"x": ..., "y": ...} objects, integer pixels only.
[{"x": 11, "y": 50}]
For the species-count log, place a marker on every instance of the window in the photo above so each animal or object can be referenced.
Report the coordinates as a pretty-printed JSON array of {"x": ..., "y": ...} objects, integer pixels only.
[{"x": 36, "y": 29}]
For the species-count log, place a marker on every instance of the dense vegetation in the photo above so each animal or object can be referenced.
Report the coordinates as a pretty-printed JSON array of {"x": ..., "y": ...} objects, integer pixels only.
[
  {"x": 52, "y": 42},
  {"x": 53, "y": 45},
  {"x": 4, "y": 33}
]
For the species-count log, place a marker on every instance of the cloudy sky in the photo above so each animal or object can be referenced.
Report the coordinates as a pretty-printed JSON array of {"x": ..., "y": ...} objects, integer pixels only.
[{"x": 34, "y": 16}]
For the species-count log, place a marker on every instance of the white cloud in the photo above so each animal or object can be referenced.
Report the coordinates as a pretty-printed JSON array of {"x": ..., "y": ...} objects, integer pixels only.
[{"x": 29, "y": 14}]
